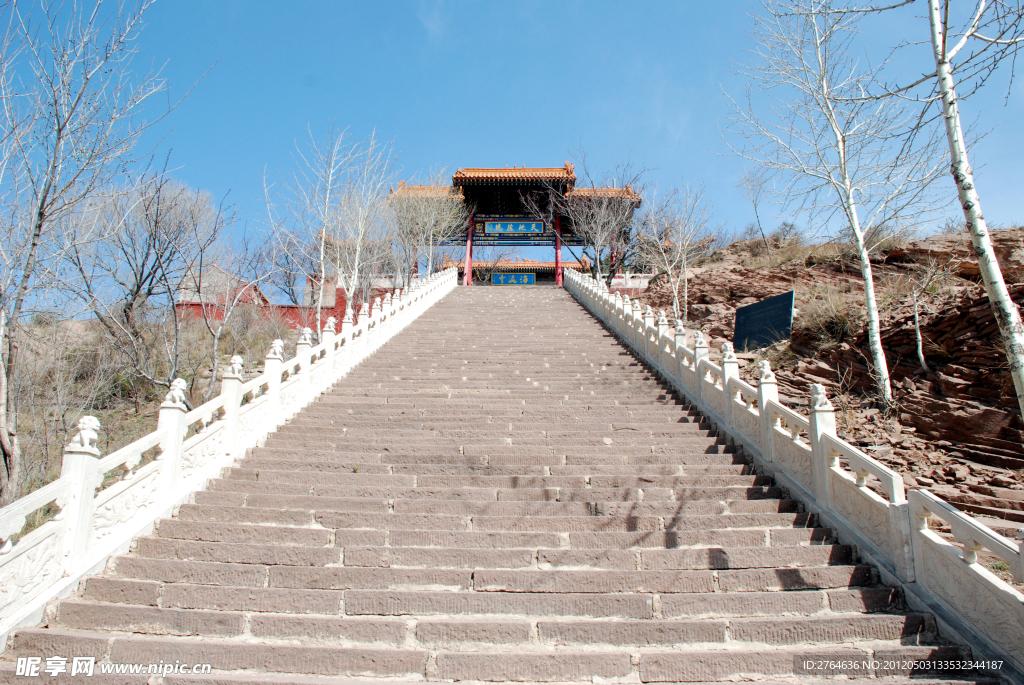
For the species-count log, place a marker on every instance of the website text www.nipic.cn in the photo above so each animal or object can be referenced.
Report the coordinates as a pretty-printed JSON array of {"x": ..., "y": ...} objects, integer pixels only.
[{"x": 37, "y": 666}]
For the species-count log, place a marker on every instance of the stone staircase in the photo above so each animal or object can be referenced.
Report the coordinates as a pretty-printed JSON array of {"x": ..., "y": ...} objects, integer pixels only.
[{"x": 502, "y": 493}]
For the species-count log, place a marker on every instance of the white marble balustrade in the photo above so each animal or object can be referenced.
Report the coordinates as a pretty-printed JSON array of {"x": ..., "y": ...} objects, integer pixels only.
[
  {"x": 805, "y": 455},
  {"x": 187, "y": 449}
]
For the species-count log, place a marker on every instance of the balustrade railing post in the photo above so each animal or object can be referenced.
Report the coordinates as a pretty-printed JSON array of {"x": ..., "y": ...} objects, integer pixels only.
[
  {"x": 171, "y": 422},
  {"x": 661, "y": 336},
  {"x": 364, "y": 328},
  {"x": 302, "y": 351},
  {"x": 330, "y": 338},
  {"x": 80, "y": 467},
  {"x": 231, "y": 391},
  {"x": 700, "y": 353},
  {"x": 730, "y": 369},
  {"x": 272, "y": 364},
  {"x": 680, "y": 357},
  {"x": 390, "y": 313},
  {"x": 767, "y": 391},
  {"x": 347, "y": 331},
  {"x": 647, "y": 328},
  {"x": 636, "y": 321},
  {"x": 401, "y": 306},
  {"x": 822, "y": 421}
]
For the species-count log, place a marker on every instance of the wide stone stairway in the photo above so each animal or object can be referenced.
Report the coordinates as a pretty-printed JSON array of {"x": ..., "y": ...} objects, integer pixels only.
[{"x": 502, "y": 493}]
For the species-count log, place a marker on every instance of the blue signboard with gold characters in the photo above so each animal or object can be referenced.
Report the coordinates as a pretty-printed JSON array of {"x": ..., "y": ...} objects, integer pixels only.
[
  {"x": 519, "y": 227},
  {"x": 513, "y": 279}
]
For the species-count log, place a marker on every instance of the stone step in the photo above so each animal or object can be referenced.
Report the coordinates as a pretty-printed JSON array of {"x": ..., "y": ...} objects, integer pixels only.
[
  {"x": 690, "y": 665},
  {"x": 422, "y": 521},
  {"x": 692, "y": 558},
  {"x": 460, "y": 507},
  {"x": 910, "y": 629},
  {"x": 331, "y": 466},
  {"x": 236, "y": 552},
  {"x": 565, "y": 457},
  {"x": 541, "y": 580},
  {"x": 527, "y": 450},
  {"x": 296, "y": 679},
  {"x": 680, "y": 494},
  {"x": 682, "y": 559},
  {"x": 597, "y": 439},
  {"x": 315, "y": 478}
]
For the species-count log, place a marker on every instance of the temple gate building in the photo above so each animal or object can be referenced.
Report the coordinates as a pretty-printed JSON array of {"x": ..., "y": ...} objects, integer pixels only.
[{"x": 499, "y": 215}]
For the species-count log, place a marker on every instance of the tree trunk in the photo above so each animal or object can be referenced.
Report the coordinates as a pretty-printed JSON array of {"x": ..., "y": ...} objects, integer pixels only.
[
  {"x": 1006, "y": 313},
  {"x": 881, "y": 370},
  {"x": 10, "y": 454},
  {"x": 918, "y": 339},
  {"x": 213, "y": 377}
]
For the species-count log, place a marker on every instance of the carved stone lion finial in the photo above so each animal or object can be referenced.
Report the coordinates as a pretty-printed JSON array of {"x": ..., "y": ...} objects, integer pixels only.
[
  {"x": 728, "y": 354},
  {"x": 85, "y": 439},
  {"x": 277, "y": 349},
  {"x": 698, "y": 339},
  {"x": 764, "y": 371},
  {"x": 235, "y": 367},
  {"x": 329, "y": 326},
  {"x": 662, "y": 319},
  {"x": 819, "y": 400},
  {"x": 176, "y": 395},
  {"x": 306, "y": 336}
]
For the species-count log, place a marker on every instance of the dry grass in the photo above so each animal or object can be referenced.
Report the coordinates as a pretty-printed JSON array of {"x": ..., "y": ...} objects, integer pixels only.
[{"x": 828, "y": 317}]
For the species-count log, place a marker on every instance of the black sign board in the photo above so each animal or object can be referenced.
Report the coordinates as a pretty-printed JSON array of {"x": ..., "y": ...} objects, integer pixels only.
[{"x": 763, "y": 323}]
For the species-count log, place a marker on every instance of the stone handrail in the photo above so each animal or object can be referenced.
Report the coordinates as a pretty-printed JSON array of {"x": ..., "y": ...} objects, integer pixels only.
[
  {"x": 186, "y": 449},
  {"x": 805, "y": 455}
]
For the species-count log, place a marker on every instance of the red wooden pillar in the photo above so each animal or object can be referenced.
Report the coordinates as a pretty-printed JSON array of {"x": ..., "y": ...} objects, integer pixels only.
[
  {"x": 467, "y": 274},
  {"x": 558, "y": 250}
]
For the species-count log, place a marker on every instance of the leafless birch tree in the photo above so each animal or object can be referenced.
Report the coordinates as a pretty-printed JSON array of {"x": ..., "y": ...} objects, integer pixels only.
[
  {"x": 305, "y": 213},
  {"x": 675, "y": 231},
  {"x": 969, "y": 41},
  {"x": 69, "y": 117},
  {"x": 364, "y": 216},
  {"x": 836, "y": 157}
]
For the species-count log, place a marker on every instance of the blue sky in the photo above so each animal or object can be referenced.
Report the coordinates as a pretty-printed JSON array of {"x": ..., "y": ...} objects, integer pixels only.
[{"x": 485, "y": 83}]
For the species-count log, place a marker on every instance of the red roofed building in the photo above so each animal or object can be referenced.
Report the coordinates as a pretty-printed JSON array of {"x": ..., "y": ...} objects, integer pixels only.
[{"x": 500, "y": 216}]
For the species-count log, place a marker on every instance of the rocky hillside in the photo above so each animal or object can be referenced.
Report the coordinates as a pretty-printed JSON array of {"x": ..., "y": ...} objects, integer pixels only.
[{"x": 956, "y": 428}]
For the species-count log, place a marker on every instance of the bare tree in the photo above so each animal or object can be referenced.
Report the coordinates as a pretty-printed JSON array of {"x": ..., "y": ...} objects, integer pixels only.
[
  {"x": 969, "y": 42},
  {"x": 305, "y": 213},
  {"x": 487, "y": 260},
  {"x": 602, "y": 215},
  {"x": 151, "y": 240},
  {"x": 69, "y": 123},
  {"x": 926, "y": 280},
  {"x": 225, "y": 275},
  {"x": 753, "y": 186},
  {"x": 426, "y": 216},
  {"x": 674, "y": 232},
  {"x": 364, "y": 217},
  {"x": 838, "y": 158}
]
